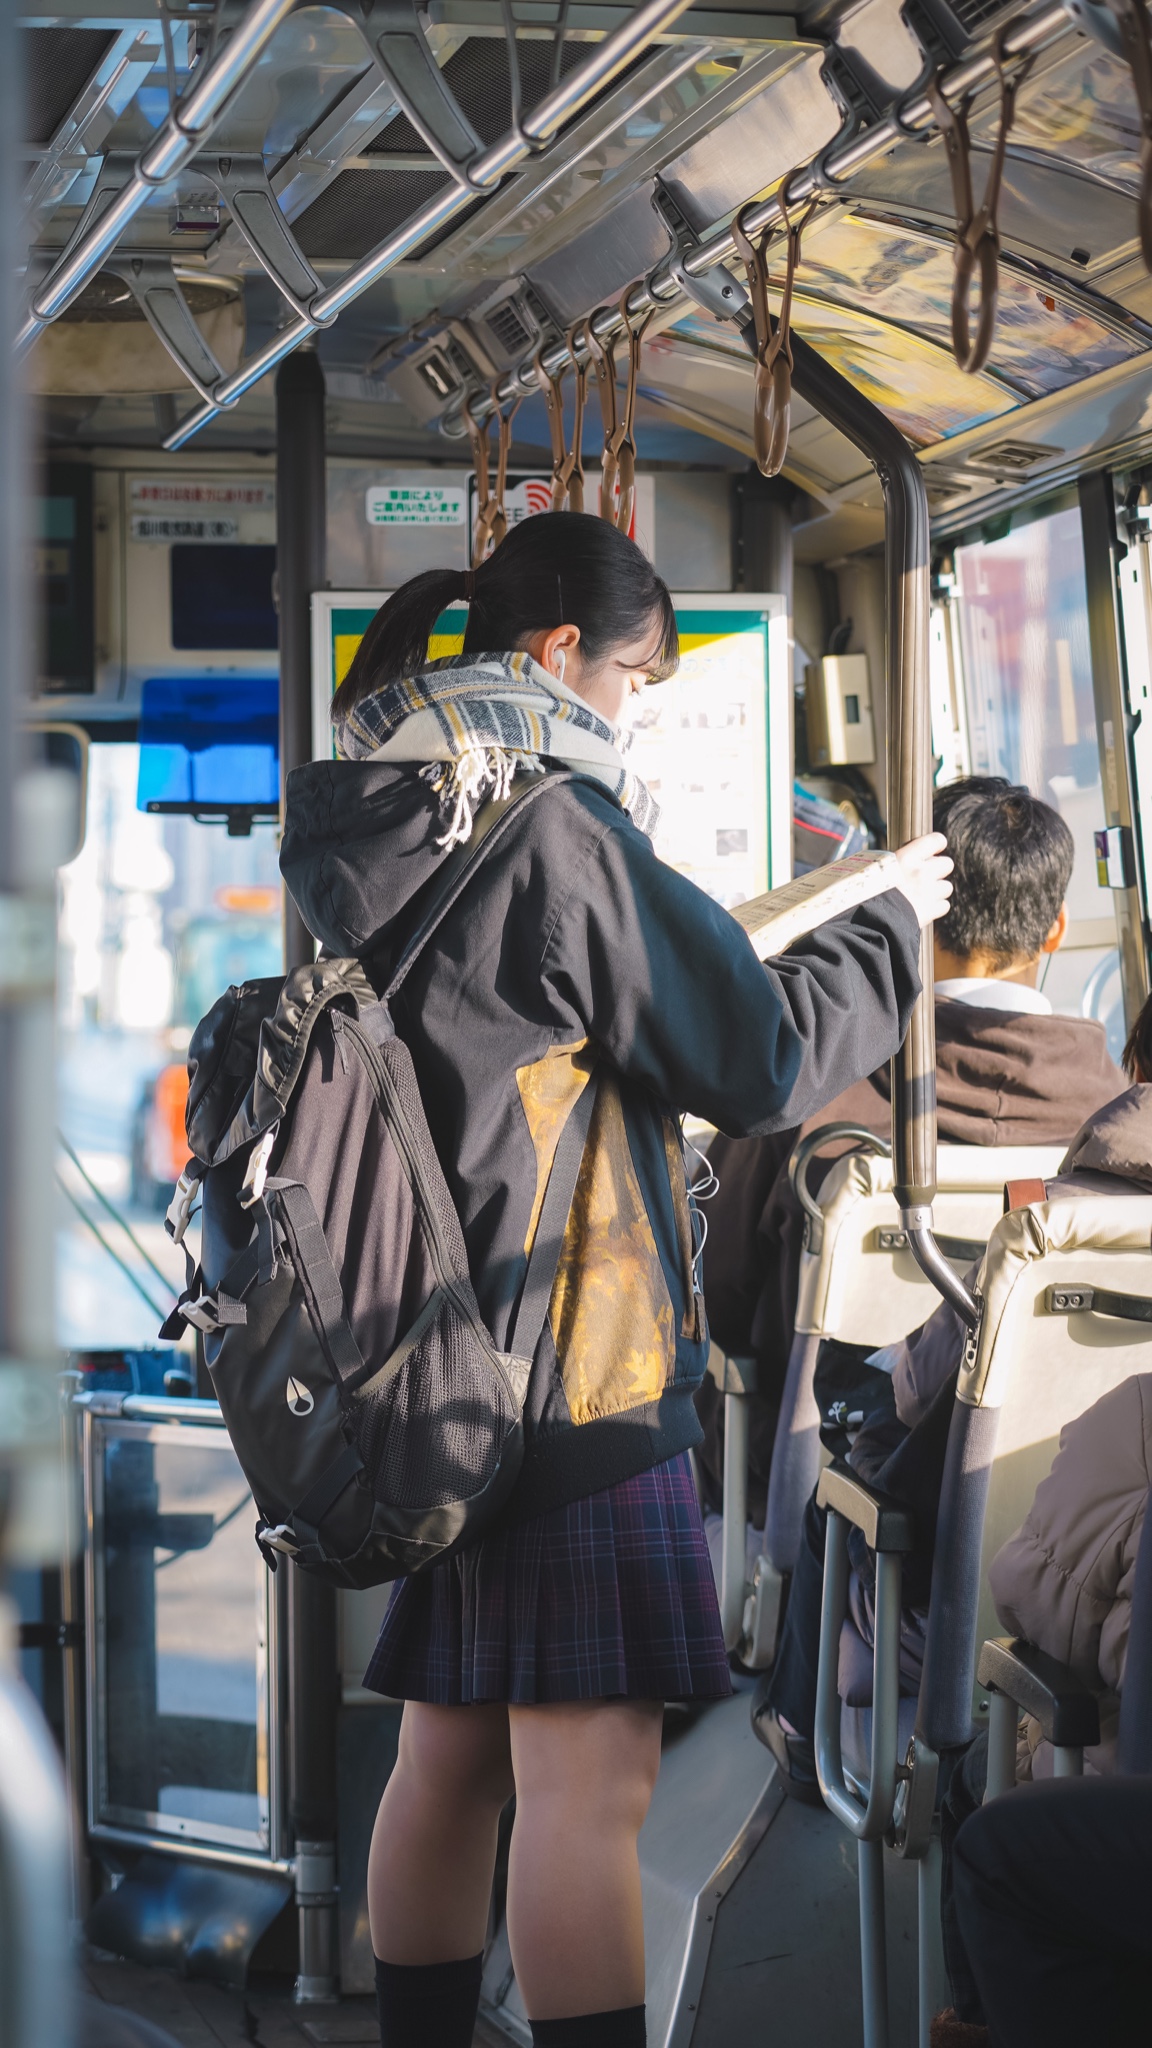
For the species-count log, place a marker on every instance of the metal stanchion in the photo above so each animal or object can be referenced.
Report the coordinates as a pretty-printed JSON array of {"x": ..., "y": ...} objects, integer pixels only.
[{"x": 301, "y": 525}]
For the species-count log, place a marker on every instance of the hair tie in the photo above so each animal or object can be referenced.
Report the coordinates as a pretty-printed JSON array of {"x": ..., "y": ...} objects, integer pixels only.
[{"x": 469, "y": 584}]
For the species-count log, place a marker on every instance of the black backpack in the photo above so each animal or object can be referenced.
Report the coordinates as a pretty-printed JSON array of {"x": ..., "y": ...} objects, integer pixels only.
[{"x": 377, "y": 1423}]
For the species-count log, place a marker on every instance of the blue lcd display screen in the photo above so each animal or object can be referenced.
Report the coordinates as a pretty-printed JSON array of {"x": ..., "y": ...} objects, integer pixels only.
[{"x": 209, "y": 742}]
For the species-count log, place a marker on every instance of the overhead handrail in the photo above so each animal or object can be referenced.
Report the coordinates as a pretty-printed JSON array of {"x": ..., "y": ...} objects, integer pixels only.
[
  {"x": 1136, "y": 40},
  {"x": 187, "y": 127},
  {"x": 479, "y": 433},
  {"x": 573, "y": 469},
  {"x": 505, "y": 417},
  {"x": 604, "y": 361},
  {"x": 673, "y": 278},
  {"x": 772, "y": 409},
  {"x": 977, "y": 229},
  {"x": 909, "y": 117},
  {"x": 488, "y": 170},
  {"x": 550, "y": 383},
  {"x": 624, "y": 450}
]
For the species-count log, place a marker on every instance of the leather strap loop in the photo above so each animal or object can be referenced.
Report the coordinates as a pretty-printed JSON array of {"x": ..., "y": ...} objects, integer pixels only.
[
  {"x": 572, "y": 470},
  {"x": 772, "y": 402},
  {"x": 977, "y": 229},
  {"x": 554, "y": 406},
  {"x": 1020, "y": 1194},
  {"x": 478, "y": 434},
  {"x": 604, "y": 361},
  {"x": 624, "y": 447}
]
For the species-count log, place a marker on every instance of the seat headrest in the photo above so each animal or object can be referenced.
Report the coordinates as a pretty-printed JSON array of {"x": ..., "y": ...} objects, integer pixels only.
[{"x": 1094, "y": 1224}]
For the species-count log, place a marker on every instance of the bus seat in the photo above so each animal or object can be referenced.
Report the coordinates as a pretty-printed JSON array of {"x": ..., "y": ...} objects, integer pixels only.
[
  {"x": 859, "y": 1281},
  {"x": 1066, "y": 1315}
]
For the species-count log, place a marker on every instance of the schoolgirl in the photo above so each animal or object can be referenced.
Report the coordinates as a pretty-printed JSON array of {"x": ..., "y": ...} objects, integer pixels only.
[{"x": 577, "y": 967}]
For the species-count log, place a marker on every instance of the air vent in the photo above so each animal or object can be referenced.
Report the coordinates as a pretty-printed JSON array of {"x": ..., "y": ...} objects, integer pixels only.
[
  {"x": 509, "y": 329},
  {"x": 1010, "y": 458}
]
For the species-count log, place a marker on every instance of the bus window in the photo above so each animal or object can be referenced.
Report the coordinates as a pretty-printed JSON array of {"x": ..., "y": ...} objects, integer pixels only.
[
  {"x": 158, "y": 916},
  {"x": 1022, "y": 616}
]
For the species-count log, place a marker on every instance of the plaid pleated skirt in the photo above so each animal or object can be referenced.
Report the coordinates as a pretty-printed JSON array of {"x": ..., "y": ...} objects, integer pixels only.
[{"x": 611, "y": 1597}]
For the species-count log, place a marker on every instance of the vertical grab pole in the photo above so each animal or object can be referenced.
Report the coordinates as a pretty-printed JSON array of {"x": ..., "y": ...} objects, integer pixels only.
[
  {"x": 906, "y": 559},
  {"x": 301, "y": 533},
  {"x": 37, "y": 1972}
]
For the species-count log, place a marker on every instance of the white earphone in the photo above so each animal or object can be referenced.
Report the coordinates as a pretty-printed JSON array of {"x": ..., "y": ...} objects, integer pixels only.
[{"x": 561, "y": 659}]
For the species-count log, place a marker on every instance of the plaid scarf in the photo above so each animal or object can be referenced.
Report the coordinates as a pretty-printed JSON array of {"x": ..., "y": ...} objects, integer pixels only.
[{"x": 475, "y": 721}]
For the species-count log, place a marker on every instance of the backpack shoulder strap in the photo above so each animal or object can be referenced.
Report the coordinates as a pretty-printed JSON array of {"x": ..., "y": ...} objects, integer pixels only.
[
  {"x": 544, "y": 1260},
  {"x": 454, "y": 874}
]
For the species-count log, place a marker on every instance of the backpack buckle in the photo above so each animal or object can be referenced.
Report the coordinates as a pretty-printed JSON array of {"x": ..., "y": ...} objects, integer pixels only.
[
  {"x": 257, "y": 1173},
  {"x": 180, "y": 1208},
  {"x": 280, "y": 1537}
]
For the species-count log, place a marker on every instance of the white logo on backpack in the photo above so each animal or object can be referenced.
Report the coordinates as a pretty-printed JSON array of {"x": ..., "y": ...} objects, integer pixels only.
[{"x": 298, "y": 1397}]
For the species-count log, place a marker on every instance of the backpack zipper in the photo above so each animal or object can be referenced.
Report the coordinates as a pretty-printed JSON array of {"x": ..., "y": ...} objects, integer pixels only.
[{"x": 386, "y": 1088}]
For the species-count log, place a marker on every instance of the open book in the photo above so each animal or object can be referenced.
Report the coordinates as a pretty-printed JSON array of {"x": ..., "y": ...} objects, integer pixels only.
[{"x": 773, "y": 921}]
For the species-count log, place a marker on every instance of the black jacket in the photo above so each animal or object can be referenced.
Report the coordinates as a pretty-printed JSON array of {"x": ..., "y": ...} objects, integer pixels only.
[{"x": 576, "y": 949}]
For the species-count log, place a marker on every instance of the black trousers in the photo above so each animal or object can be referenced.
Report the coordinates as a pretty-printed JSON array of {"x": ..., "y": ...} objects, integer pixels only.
[
  {"x": 792, "y": 1689},
  {"x": 1053, "y": 1887}
]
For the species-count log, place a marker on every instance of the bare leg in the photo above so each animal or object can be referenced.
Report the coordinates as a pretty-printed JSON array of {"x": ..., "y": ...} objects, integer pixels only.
[
  {"x": 585, "y": 1771},
  {"x": 434, "y": 1843}
]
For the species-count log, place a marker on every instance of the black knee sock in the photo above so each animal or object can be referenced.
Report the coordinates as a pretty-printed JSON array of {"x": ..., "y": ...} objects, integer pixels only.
[
  {"x": 428, "y": 2005},
  {"x": 621, "y": 2028}
]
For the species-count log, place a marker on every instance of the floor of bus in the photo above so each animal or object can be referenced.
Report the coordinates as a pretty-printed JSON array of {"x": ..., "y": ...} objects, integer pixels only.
[
  {"x": 785, "y": 1949},
  {"x": 202, "y": 2015}
]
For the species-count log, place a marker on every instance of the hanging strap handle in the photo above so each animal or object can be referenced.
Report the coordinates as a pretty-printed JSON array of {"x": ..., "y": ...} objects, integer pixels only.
[
  {"x": 554, "y": 406},
  {"x": 499, "y": 526},
  {"x": 548, "y": 1244},
  {"x": 478, "y": 432},
  {"x": 977, "y": 229},
  {"x": 772, "y": 403},
  {"x": 624, "y": 440},
  {"x": 572, "y": 472},
  {"x": 604, "y": 359},
  {"x": 1132, "y": 21}
]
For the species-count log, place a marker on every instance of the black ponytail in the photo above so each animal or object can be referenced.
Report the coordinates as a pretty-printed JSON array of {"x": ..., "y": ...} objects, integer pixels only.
[{"x": 556, "y": 569}]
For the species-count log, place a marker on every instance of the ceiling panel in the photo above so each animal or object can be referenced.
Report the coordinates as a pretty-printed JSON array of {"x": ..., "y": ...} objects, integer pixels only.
[{"x": 1041, "y": 342}]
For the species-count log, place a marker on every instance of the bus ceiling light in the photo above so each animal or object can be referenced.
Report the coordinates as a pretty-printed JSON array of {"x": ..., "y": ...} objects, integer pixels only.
[
  {"x": 485, "y": 172},
  {"x": 187, "y": 127}
]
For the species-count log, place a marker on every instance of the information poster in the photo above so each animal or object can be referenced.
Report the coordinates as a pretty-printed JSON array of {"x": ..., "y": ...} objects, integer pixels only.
[{"x": 712, "y": 743}]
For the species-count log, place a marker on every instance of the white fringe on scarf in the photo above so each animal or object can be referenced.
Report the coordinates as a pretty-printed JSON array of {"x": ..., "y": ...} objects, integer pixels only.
[{"x": 463, "y": 785}]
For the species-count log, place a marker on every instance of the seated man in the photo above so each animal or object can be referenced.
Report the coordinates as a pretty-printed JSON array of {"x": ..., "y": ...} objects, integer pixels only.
[
  {"x": 906, "y": 1457},
  {"x": 1008, "y": 1072}
]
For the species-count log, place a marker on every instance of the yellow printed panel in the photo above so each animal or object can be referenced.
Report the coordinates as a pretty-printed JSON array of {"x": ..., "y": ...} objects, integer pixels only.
[{"x": 345, "y": 645}]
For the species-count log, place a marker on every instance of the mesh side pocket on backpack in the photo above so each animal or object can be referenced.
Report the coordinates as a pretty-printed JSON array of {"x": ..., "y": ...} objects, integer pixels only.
[{"x": 432, "y": 1424}]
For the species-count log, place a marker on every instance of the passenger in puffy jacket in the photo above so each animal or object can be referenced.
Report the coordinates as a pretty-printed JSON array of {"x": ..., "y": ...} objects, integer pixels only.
[
  {"x": 905, "y": 1456},
  {"x": 577, "y": 975},
  {"x": 1064, "y": 1580}
]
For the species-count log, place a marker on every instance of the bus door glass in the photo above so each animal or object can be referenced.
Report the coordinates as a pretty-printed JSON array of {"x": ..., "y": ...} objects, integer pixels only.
[
  {"x": 158, "y": 915},
  {"x": 1022, "y": 632}
]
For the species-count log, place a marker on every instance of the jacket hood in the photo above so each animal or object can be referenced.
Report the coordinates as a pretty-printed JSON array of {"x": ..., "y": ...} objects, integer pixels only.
[
  {"x": 1117, "y": 1140},
  {"x": 359, "y": 843}
]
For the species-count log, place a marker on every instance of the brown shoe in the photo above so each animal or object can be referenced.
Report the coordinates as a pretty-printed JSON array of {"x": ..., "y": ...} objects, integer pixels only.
[{"x": 949, "y": 2032}]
